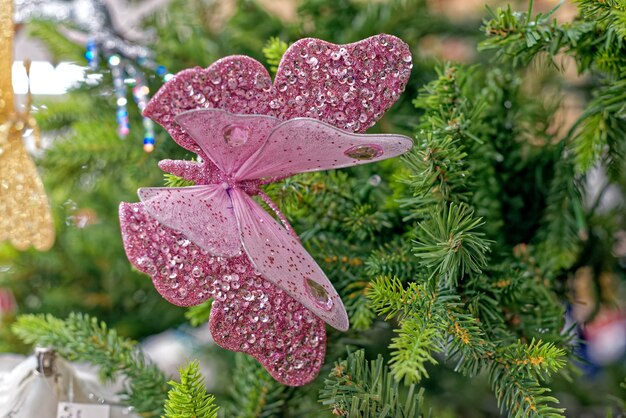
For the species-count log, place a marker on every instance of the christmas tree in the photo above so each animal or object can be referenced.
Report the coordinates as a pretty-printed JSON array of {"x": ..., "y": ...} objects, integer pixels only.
[{"x": 477, "y": 271}]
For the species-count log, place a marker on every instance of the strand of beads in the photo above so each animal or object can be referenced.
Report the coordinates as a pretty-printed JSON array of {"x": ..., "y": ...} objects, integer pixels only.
[
  {"x": 119, "y": 87},
  {"x": 91, "y": 54},
  {"x": 140, "y": 94},
  {"x": 126, "y": 70}
]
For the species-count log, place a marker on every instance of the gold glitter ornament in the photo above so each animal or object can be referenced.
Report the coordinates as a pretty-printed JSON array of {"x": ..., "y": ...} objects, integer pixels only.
[{"x": 25, "y": 218}]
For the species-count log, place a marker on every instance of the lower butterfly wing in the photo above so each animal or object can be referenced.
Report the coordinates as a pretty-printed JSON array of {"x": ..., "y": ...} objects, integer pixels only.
[
  {"x": 300, "y": 145},
  {"x": 282, "y": 260},
  {"x": 249, "y": 314},
  {"x": 181, "y": 272},
  {"x": 261, "y": 320},
  {"x": 204, "y": 214}
]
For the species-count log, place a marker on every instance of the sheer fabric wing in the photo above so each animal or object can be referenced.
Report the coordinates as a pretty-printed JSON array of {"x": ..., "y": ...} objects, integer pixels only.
[
  {"x": 204, "y": 214},
  {"x": 283, "y": 261},
  {"x": 302, "y": 144},
  {"x": 228, "y": 139}
]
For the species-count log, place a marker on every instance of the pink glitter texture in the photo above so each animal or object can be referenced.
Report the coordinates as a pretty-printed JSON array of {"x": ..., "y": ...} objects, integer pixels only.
[{"x": 268, "y": 299}]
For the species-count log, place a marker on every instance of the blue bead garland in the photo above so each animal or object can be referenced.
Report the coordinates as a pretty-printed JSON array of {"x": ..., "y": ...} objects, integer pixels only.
[{"x": 124, "y": 72}]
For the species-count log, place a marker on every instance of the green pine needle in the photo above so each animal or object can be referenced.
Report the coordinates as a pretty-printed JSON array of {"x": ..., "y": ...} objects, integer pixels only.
[
  {"x": 450, "y": 246},
  {"x": 274, "y": 50},
  {"x": 254, "y": 393},
  {"x": 357, "y": 387},
  {"x": 199, "y": 314},
  {"x": 172, "y": 180},
  {"x": 188, "y": 398}
]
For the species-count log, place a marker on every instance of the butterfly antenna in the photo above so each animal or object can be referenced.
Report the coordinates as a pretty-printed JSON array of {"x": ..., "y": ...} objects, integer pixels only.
[{"x": 278, "y": 213}]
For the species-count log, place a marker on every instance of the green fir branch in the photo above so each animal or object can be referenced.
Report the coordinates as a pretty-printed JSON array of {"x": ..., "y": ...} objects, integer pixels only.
[
  {"x": 516, "y": 377},
  {"x": 199, "y": 314},
  {"x": 389, "y": 298},
  {"x": 188, "y": 398},
  {"x": 357, "y": 387},
  {"x": 361, "y": 314},
  {"x": 392, "y": 259},
  {"x": 57, "y": 44},
  {"x": 607, "y": 12},
  {"x": 437, "y": 168},
  {"x": 437, "y": 322},
  {"x": 449, "y": 245},
  {"x": 430, "y": 322},
  {"x": 273, "y": 51},
  {"x": 413, "y": 348},
  {"x": 365, "y": 221},
  {"x": 172, "y": 180},
  {"x": 522, "y": 397},
  {"x": 564, "y": 224},
  {"x": 536, "y": 359},
  {"x": 254, "y": 393},
  {"x": 598, "y": 44}
]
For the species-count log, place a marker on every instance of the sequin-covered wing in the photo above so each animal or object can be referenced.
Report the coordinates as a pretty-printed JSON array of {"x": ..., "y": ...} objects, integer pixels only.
[
  {"x": 228, "y": 139},
  {"x": 249, "y": 314},
  {"x": 349, "y": 86},
  {"x": 302, "y": 144},
  {"x": 204, "y": 214},
  {"x": 182, "y": 272},
  {"x": 238, "y": 84},
  {"x": 265, "y": 322},
  {"x": 282, "y": 260}
]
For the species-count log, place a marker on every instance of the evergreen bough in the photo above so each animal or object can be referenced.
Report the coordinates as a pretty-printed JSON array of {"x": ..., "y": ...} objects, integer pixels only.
[{"x": 188, "y": 398}]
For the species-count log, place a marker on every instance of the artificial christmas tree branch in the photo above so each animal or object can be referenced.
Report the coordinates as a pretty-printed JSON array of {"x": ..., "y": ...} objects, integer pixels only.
[
  {"x": 357, "y": 387},
  {"x": 597, "y": 41},
  {"x": 188, "y": 398}
]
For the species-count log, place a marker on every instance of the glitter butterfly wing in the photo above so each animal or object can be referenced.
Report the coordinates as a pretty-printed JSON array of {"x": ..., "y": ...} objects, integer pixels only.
[
  {"x": 248, "y": 314},
  {"x": 251, "y": 147},
  {"x": 203, "y": 213},
  {"x": 283, "y": 261},
  {"x": 302, "y": 145}
]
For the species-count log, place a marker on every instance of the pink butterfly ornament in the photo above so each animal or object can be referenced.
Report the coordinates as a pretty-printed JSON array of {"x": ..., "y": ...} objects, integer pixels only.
[{"x": 213, "y": 239}]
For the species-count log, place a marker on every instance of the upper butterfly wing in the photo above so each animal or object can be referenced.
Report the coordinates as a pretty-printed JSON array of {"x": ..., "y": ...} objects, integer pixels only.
[
  {"x": 282, "y": 260},
  {"x": 225, "y": 84},
  {"x": 227, "y": 139},
  {"x": 204, "y": 214},
  {"x": 302, "y": 144}
]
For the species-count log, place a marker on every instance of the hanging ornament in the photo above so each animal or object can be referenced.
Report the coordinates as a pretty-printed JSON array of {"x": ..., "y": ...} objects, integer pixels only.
[
  {"x": 44, "y": 385},
  {"x": 212, "y": 240},
  {"x": 111, "y": 33},
  {"x": 26, "y": 220}
]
